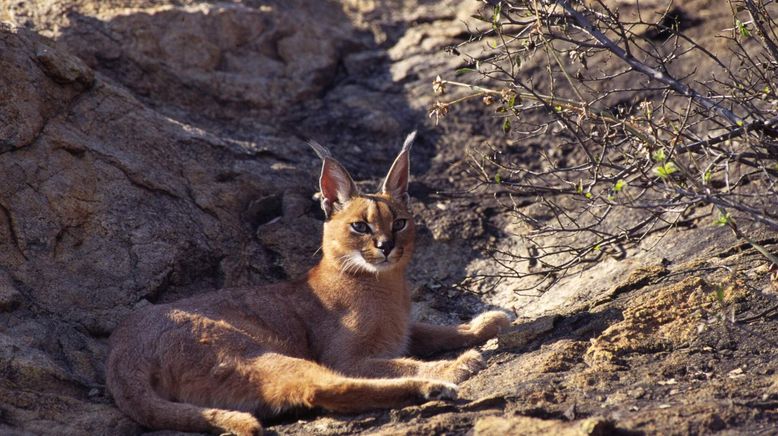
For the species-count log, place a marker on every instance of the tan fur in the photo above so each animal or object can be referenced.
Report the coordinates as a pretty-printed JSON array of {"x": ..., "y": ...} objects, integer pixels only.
[{"x": 332, "y": 339}]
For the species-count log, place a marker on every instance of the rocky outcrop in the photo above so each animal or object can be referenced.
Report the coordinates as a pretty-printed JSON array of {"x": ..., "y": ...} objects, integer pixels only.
[{"x": 107, "y": 204}]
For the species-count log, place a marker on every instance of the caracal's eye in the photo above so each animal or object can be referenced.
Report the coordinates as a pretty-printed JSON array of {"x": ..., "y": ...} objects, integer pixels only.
[
  {"x": 360, "y": 227},
  {"x": 398, "y": 225}
]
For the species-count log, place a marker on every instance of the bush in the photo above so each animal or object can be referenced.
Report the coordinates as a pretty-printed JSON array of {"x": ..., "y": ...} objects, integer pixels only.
[{"x": 643, "y": 139}]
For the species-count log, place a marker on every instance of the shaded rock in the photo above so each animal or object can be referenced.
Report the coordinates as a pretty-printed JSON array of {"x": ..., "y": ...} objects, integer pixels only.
[
  {"x": 208, "y": 57},
  {"x": 9, "y": 295},
  {"x": 114, "y": 204},
  {"x": 30, "y": 96},
  {"x": 64, "y": 415},
  {"x": 64, "y": 68},
  {"x": 291, "y": 216}
]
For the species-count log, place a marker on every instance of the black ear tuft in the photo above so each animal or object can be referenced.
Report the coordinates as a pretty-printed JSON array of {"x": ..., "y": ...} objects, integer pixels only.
[
  {"x": 396, "y": 181},
  {"x": 319, "y": 149}
]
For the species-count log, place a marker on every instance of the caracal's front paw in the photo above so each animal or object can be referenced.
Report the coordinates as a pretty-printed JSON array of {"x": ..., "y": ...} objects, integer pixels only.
[
  {"x": 241, "y": 424},
  {"x": 438, "y": 390},
  {"x": 489, "y": 324},
  {"x": 457, "y": 370},
  {"x": 465, "y": 366}
]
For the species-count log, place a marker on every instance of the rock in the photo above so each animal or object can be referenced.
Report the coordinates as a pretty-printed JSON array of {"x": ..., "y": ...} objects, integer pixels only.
[
  {"x": 489, "y": 402},
  {"x": 774, "y": 278},
  {"x": 524, "y": 425},
  {"x": 424, "y": 410},
  {"x": 595, "y": 427},
  {"x": 30, "y": 96},
  {"x": 561, "y": 355},
  {"x": 521, "y": 335},
  {"x": 9, "y": 295},
  {"x": 715, "y": 423},
  {"x": 570, "y": 412},
  {"x": 63, "y": 415},
  {"x": 637, "y": 392},
  {"x": 64, "y": 68},
  {"x": 772, "y": 390},
  {"x": 660, "y": 320},
  {"x": 638, "y": 278},
  {"x": 285, "y": 218},
  {"x": 223, "y": 57},
  {"x": 114, "y": 203}
]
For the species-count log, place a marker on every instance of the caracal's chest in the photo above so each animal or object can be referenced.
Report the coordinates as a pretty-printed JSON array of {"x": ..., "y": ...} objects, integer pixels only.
[{"x": 377, "y": 327}]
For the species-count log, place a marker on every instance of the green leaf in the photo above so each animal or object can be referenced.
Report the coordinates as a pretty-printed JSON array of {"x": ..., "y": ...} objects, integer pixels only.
[
  {"x": 512, "y": 101},
  {"x": 461, "y": 71},
  {"x": 497, "y": 13},
  {"x": 724, "y": 219},
  {"x": 579, "y": 188},
  {"x": 497, "y": 178},
  {"x": 558, "y": 108},
  {"x": 658, "y": 155},
  {"x": 506, "y": 125},
  {"x": 619, "y": 185},
  {"x": 597, "y": 247},
  {"x": 739, "y": 123},
  {"x": 665, "y": 170},
  {"x": 707, "y": 176},
  {"x": 719, "y": 292},
  {"x": 742, "y": 29},
  {"x": 588, "y": 195}
]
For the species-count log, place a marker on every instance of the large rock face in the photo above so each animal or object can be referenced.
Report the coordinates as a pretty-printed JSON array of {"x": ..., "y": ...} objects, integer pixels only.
[
  {"x": 216, "y": 58},
  {"x": 151, "y": 150}
]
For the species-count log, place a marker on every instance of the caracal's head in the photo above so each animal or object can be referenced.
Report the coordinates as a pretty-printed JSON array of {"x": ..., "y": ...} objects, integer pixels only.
[{"x": 366, "y": 233}]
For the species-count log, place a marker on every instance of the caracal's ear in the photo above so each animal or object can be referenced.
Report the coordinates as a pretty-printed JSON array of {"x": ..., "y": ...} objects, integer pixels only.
[
  {"x": 335, "y": 183},
  {"x": 396, "y": 181}
]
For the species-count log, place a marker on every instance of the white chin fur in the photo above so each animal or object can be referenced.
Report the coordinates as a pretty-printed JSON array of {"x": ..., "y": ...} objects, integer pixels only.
[{"x": 356, "y": 259}]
